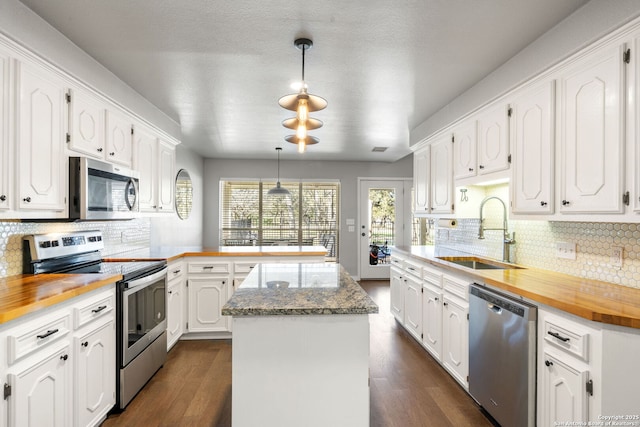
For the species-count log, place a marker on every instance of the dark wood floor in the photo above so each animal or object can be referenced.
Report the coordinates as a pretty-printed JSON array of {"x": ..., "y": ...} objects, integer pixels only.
[{"x": 408, "y": 387}]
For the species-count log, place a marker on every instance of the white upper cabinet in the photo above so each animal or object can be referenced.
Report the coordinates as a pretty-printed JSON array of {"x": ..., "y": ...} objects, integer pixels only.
[
  {"x": 591, "y": 133},
  {"x": 421, "y": 180},
  {"x": 86, "y": 124},
  {"x": 532, "y": 135},
  {"x": 41, "y": 163},
  {"x": 464, "y": 150},
  {"x": 5, "y": 136},
  {"x": 442, "y": 175},
  {"x": 493, "y": 139},
  {"x": 155, "y": 160},
  {"x": 119, "y": 139}
]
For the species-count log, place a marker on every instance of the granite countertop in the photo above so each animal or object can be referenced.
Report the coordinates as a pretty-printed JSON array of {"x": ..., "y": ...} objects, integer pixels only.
[
  {"x": 27, "y": 293},
  {"x": 299, "y": 289},
  {"x": 594, "y": 300},
  {"x": 170, "y": 253}
]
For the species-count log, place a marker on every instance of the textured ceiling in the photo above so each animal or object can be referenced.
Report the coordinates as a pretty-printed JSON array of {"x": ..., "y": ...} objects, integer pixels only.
[{"x": 218, "y": 67}]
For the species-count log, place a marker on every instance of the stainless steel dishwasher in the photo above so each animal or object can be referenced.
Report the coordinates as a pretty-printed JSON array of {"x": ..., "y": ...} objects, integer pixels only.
[{"x": 502, "y": 356}]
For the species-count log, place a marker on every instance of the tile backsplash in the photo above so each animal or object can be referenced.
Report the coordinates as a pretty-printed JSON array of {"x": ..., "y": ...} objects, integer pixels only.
[
  {"x": 536, "y": 246},
  {"x": 119, "y": 236}
]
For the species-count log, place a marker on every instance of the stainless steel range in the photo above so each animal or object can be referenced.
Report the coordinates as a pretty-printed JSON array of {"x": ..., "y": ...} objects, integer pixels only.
[{"x": 140, "y": 301}]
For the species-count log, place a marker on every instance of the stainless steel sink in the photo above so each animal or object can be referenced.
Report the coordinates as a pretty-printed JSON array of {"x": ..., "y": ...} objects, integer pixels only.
[{"x": 478, "y": 263}]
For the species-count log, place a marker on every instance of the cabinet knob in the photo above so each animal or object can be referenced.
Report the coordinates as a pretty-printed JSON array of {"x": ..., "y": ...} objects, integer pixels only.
[
  {"x": 481, "y": 167},
  {"x": 170, "y": 292},
  {"x": 436, "y": 299},
  {"x": 548, "y": 363},
  {"x": 99, "y": 150},
  {"x": 470, "y": 169},
  {"x": 64, "y": 357},
  {"x": 27, "y": 199},
  {"x": 3, "y": 198},
  {"x": 565, "y": 202},
  {"x": 445, "y": 303},
  {"x": 112, "y": 153},
  {"x": 85, "y": 344},
  {"x": 543, "y": 203}
]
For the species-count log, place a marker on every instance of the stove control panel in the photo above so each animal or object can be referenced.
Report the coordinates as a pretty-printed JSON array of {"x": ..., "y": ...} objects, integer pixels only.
[{"x": 47, "y": 246}]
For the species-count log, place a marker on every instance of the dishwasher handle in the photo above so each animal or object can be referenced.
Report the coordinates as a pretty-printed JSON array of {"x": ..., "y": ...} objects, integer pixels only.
[{"x": 494, "y": 308}]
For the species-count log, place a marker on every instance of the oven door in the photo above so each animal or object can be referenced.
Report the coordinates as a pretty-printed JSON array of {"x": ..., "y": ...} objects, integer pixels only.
[{"x": 143, "y": 313}]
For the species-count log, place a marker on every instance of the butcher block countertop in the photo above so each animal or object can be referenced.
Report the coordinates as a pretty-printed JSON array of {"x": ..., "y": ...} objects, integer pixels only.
[
  {"x": 171, "y": 253},
  {"x": 590, "y": 299},
  {"x": 27, "y": 293}
]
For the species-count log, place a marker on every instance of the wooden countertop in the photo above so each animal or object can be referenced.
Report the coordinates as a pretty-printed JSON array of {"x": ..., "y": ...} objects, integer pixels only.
[
  {"x": 590, "y": 299},
  {"x": 171, "y": 253},
  {"x": 27, "y": 293}
]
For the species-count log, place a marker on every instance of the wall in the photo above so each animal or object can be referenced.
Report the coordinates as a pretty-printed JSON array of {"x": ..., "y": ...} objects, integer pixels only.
[
  {"x": 346, "y": 172},
  {"x": 584, "y": 26}
]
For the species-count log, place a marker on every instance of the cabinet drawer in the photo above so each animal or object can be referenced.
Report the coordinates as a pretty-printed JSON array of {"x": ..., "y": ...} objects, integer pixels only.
[
  {"x": 175, "y": 271},
  {"x": 432, "y": 276},
  {"x": 243, "y": 267},
  {"x": 209, "y": 267},
  {"x": 37, "y": 334},
  {"x": 398, "y": 262},
  {"x": 456, "y": 286},
  {"x": 94, "y": 308},
  {"x": 567, "y": 336},
  {"x": 414, "y": 268}
]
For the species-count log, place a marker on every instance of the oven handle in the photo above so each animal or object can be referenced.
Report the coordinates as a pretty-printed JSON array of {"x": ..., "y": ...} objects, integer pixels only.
[{"x": 146, "y": 280}]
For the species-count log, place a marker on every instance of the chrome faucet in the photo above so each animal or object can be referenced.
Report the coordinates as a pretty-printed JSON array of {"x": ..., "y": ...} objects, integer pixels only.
[{"x": 507, "y": 239}]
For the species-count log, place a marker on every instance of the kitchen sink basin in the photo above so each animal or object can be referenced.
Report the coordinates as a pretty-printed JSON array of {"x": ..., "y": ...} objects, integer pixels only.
[{"x": 478, "y": 263}]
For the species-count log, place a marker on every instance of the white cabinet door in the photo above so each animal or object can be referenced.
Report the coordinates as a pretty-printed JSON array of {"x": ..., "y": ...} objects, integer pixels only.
[
  {"x": 207, "y": 295},
  {"x": 421, "y": 180},
  {"x": 442, "y": 176},
  {"x": 146, "y": 150},
  {"x": 118, "y": 137},
  {"x": 591, "y": 119},
  {"x": 86, "y": 124},
  {"x": 493, "y": 140},
  {"x": 532, "y": 133},
  {"x": 6, "y": 195},
  {"x": 432, "y": 322},
  {"x": 41, "y": 172},
  {"x": 413, "y": 306},
  {"x": 95, "y": 384},
  {"x": 455, "y": 339},
  {"x": 397, "y": 295},
  {"x": 564, "y": 395},
  {"x": 175, "y": 311},
  {"x": 166, "y": 176},
  {"x": 40, "y": 394},
  {"x": 464, "y": 150}
]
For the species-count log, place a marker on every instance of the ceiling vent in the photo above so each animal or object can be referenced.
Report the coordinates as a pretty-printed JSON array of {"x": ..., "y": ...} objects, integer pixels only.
[{"x": 379, "y": 149}]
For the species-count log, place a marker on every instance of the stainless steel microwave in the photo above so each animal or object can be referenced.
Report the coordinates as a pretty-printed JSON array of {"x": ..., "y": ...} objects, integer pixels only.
[{"x": 101, "y": 191}]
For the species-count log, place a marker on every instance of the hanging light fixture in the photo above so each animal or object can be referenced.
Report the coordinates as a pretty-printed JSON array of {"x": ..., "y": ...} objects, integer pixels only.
[
  {"x": 302, "y": 103},
  {"x": 278, "y": 190}
]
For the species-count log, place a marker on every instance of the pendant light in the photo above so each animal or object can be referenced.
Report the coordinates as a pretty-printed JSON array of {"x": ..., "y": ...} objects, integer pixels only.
[
  {"x": 302, "y": 103},
  {"x": 278, "y": 190}
]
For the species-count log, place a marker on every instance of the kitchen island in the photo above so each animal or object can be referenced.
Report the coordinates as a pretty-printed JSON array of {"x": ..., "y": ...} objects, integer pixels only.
[{"x": 300, "y": 347}]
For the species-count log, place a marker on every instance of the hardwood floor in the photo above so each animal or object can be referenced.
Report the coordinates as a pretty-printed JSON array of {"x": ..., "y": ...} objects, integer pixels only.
[{"x": 408, "y": 387}]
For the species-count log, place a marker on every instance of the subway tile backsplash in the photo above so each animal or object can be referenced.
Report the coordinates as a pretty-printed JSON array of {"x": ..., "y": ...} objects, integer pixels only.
[
  {"x": 119, "y": 236},
  {"x": 536, "y": 246}
]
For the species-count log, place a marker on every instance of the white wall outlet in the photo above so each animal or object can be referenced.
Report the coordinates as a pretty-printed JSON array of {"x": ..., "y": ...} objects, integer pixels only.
[
  {"x": 616, "y": 256},
  {"x": 566, "y": 250}
]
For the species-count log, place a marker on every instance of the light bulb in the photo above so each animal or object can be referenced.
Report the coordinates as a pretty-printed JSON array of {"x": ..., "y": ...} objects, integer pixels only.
[
  {"x": 301, "y": 132},
  {"x": 303, "y": 110},
  {"x": 301, "y": 146}
]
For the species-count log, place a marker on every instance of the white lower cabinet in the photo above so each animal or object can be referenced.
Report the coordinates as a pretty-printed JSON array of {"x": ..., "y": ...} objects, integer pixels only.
[
  {"x": 94, "y": 385},
  {"x": 176, "y": 303},
  {"x": 455, "y": 338},
  {"x": 396, "y": 296},
  {"x": 208, "y": 289},
  {"x": 60, "y": 363},
  {"x": 565, "y": 397},
  {"x": 413, "y": 306},
  {"x": 432, "y": 321}
]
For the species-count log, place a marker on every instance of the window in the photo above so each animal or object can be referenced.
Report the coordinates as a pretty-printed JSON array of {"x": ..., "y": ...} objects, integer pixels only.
[{"x": 310, "y": 216}]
